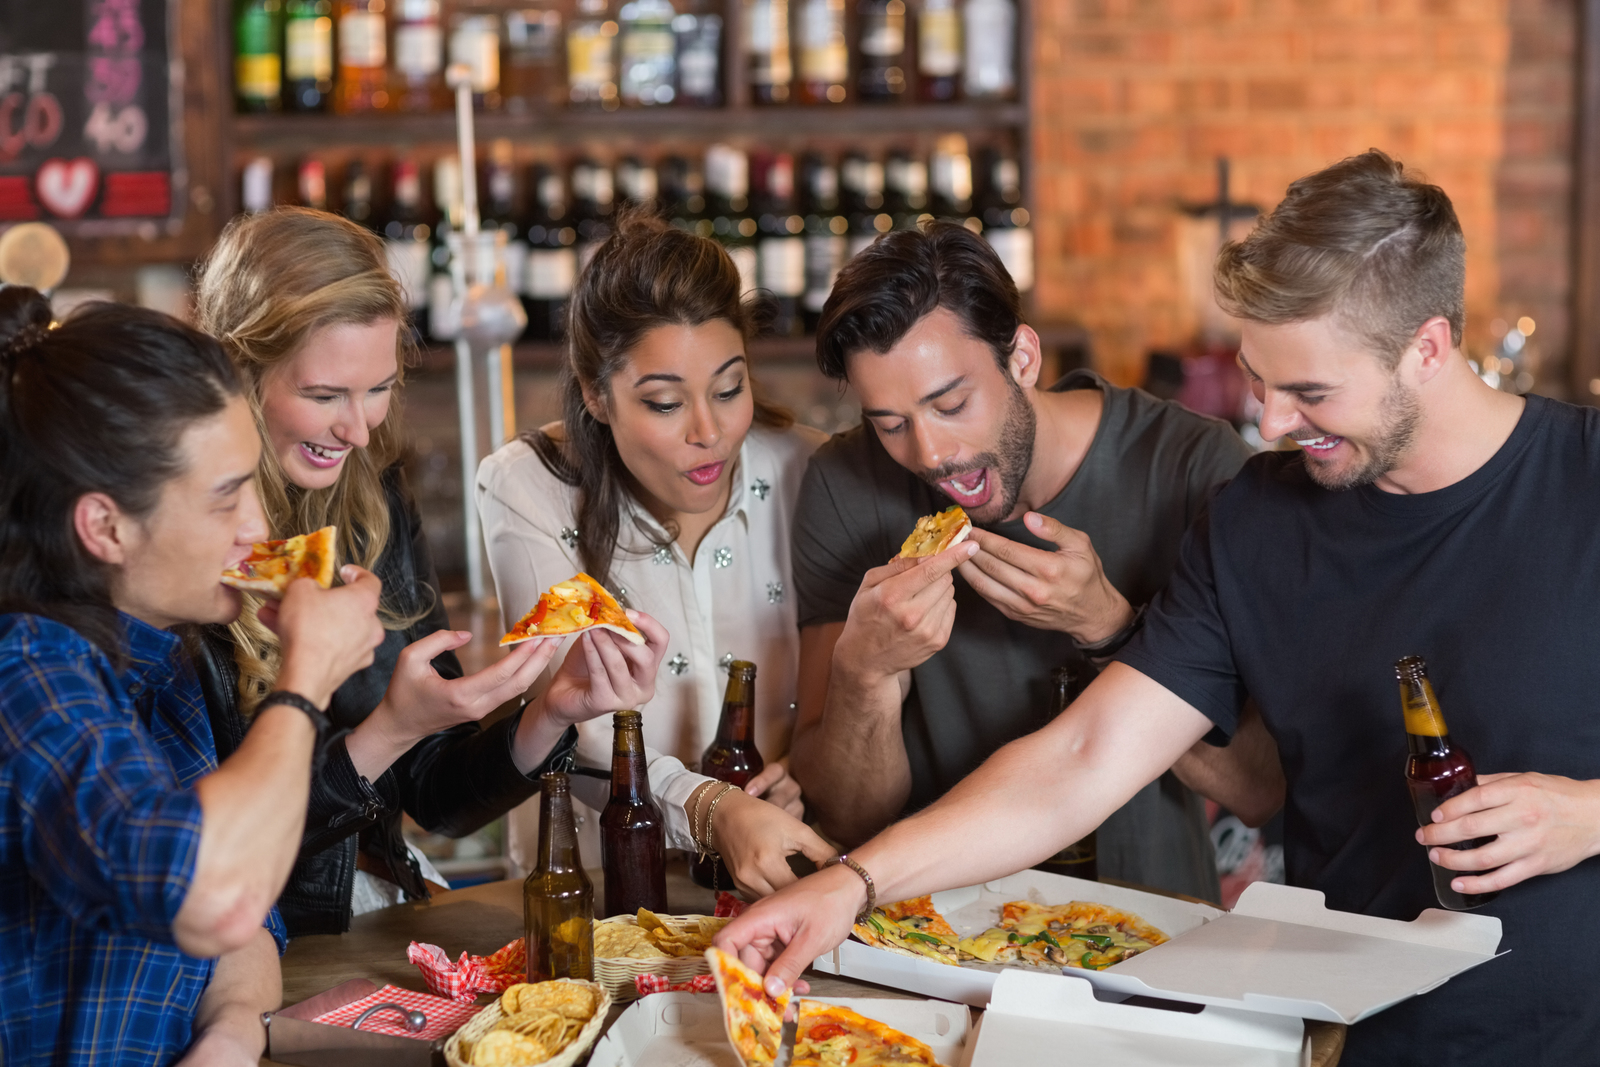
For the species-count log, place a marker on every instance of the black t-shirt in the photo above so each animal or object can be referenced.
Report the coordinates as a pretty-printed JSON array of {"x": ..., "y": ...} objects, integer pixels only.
[
  {"x": 1145, "y": 477},
  {"x": 1304, "y": 598}
]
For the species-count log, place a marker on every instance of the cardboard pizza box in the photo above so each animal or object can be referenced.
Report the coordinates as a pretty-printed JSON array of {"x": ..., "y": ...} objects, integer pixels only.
[
  {"x": 1281, "y": 951},
  {"x": 686, "y": 1030},
  {"x": 1034, "y": 1017}
]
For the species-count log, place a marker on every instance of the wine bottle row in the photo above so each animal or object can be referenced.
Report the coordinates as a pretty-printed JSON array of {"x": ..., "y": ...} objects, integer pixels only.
[
  {"x": 788, "y": 223},
  {"x": 353, "y": 56}
]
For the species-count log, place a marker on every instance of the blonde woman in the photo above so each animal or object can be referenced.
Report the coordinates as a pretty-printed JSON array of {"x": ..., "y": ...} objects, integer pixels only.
[{"x": 305, "y": 306}]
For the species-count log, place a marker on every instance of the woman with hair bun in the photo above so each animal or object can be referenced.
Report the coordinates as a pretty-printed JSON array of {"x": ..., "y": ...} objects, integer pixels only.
[
  {"x": 304, "y": 304},
  {"x": 673, "y": 484}
]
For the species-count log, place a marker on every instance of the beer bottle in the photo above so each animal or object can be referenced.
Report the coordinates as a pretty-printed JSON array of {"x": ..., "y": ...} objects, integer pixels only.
[
  {"x": 1079, "y": 859},
  {"x": 632, "y": 836},
  {"x": 1436, "y": 770},
  {"x": 558, "y": 898},
  {"x": 732, "y": 757}
]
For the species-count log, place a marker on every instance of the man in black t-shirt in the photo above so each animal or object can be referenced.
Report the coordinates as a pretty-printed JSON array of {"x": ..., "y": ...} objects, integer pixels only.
[
  {"x": 1426, "y": 513},
  {"x": 910, "y": 678}
]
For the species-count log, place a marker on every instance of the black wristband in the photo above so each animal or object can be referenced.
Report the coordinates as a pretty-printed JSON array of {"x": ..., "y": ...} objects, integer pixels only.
[
  {"x": 1110, "y": 646},
  {"x": 319, "y": 718}
]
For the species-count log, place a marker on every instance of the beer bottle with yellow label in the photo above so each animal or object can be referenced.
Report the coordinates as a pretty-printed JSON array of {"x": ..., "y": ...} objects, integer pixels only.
[{"x": 558, "y": 898}]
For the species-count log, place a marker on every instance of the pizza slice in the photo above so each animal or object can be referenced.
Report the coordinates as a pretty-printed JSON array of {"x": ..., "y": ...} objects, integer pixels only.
[
  {"x": 1077, "y": 934},
  {"x": 577, "y": 604},
  {"x": 272, "y": 565},
  {"x": 935, "y": 533},
  {"x": 754, "y": 1019},
  {"x": 831, "y": 1036},
  {"x": 911, "y": 928}
]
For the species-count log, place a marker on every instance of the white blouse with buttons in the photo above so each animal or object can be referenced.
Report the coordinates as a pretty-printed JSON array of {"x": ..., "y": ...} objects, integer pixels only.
[{"x": 731, "y": 602}]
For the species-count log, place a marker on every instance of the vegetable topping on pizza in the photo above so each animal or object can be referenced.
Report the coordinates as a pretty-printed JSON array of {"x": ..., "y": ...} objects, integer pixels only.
[
  {"x": 911, "y": 928},
  {"x": 272, "y": 565},
  {"x": 832, "y": 1036},
  {"x": 935, "y": 533},
  {"x": 753, "y": 1018},
  {"x": 1077, "y": 934},
  {"x": 579, "y": 603}
]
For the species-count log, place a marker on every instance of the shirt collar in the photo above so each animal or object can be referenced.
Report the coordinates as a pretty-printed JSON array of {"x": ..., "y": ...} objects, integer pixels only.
[
  {"x": 751, "y": 463},
  {"x": 152, "y": 653}
]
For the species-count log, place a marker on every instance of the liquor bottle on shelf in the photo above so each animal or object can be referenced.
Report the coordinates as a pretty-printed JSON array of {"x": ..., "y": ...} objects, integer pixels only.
[
  {"x": 649, "y": 51},
  {"x": 475, "y": 42},
  {"x": 768, "y": 67},
  {"x": 637, "y": 182},
  {"x": 593, "y": 193},
  {"x": 308, "y": 54},
  {"x": 905, "y": 195},
  {"x": 861, "y": 183},
  {"x": 357, "y": 205},
  {"x": 939, "y": 51},
  {"x": 1081, "y": 859},
  {"x": 592, "y": 56},
  {"x": 881, "y": 66},
  {"x": 950, "y": 181},
  {"x": 728, "y": 207},
  {"x": 698, "y": 30},
  {"x": 998, "y": 203},
  {"x": 558, "y": 898},
  {"x": 256, "y": 186},
  {"x": 632, "y": 833},
  {"x": 824, "y": 52},
  {"x": 257, "y": 55},
  {"x": 312, "y": 184},
  {"x": 442, "y": 324},
  {"x": 732, "y": 756},
  {"x": 1436, "y": 770},
  {"x": 405, "y": 237},
  {"x": 781, "y": 245},
  {"x": 552, "y": 262},
  {"x": 826, "y": 244},
  {"x": 533, "y": 78},
  {"x": 989, "y": 34},
  {"x": 419, "y": 56},
  {"x": 683, "y": 195},
  {"x": 500, "y": 212},
  {"x": 362, "y": 36}
]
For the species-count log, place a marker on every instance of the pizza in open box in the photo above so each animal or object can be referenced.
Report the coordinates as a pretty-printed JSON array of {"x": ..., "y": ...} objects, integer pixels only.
[
  {"x": 272, "y": 565},
  {"x": 935, "y": 533},
  {"x": 832, "y": 1036},
  {"x": 1077, "y": 934},
  {"x": 754, "y": 1019},
  {"x": 569, "y": 607},
  {"x": 911, "y": 928}
]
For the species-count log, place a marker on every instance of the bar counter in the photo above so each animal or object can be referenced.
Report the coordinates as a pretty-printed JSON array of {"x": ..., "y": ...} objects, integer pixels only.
[{"x": 481, "y": 919}]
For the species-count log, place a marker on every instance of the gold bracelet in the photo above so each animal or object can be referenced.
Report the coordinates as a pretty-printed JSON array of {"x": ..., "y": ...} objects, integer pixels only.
[
  {"x": 711, "y": 829},
  {"x": 696, "y": 830}
]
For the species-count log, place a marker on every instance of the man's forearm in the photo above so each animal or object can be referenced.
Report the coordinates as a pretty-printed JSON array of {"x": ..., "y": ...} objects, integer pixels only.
[
  {"x": 852, "y": 763},
  {"x": 227, "y": 1023}
]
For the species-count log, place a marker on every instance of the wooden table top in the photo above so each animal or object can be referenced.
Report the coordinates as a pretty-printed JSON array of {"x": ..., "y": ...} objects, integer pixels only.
[{"x": 481, "y": 919}]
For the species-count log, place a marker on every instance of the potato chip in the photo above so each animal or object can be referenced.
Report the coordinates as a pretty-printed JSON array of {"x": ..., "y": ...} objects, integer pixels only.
[
  {"x": 540, "y": 1024},
  {"x": 512, "y": 997},
  {"x": 563, "y": 998},
  {"x": 503, "y": 1048},
  {"x": 617, "y": 940},
  {"x": 649, "y": 920}
]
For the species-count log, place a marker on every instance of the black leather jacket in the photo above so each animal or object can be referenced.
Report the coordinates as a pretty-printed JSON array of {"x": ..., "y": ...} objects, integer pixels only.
[{"x": 451, "y": 783}]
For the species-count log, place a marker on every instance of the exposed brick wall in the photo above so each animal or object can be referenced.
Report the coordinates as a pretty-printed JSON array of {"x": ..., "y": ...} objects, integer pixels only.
[{"x": 1134, "y": 100}]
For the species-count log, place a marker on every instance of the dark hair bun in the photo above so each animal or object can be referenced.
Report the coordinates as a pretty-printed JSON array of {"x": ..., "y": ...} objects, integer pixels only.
[{"x": 24, "y": 314}]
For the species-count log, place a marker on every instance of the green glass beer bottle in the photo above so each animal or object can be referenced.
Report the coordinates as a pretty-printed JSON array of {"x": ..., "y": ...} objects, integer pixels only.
[{"x": 558, "y": 898}]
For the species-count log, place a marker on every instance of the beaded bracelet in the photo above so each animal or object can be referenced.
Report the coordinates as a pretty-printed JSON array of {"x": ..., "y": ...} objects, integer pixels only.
[{"x": 872, "y": 890}]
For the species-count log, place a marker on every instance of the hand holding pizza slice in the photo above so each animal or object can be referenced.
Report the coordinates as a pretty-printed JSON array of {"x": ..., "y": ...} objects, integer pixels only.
[
  {"x": 754, "y": 1019},
  {"x": 577, "y": 604},
  {"x": 272, "y": 565}
]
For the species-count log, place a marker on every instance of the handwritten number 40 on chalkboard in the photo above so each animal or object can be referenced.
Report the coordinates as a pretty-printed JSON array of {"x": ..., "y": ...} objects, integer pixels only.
[{"x": 123, "y": 131}]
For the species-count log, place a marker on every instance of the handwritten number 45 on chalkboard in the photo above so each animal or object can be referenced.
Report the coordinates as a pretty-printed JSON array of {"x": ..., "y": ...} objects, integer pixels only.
[{"x": 123, "y": 131}]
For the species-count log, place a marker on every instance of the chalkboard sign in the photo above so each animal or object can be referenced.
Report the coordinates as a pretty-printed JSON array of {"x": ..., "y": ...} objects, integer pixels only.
[{"x": 90, "y": 115}]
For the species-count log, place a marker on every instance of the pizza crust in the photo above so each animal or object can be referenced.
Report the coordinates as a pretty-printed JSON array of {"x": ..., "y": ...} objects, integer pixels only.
[
  {"x": 753, "y": 1019},
  {"x": 830, "y": 1033},
  {"x": 597, "y": 592},
  {"x": 633, "y": 636}
]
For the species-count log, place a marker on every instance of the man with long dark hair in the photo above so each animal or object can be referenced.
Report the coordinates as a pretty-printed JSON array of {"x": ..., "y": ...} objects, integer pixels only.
[
  {"x": 136, "y": 875},
  {"x": 1079, "y": 493}
]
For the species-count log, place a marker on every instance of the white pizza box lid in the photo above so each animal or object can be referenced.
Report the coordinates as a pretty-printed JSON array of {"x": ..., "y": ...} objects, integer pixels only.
[
  {"x": 686, "y": 1030},
  {"x": 1033, "y": 1011},
  {"x": 1281, "y": 951}
]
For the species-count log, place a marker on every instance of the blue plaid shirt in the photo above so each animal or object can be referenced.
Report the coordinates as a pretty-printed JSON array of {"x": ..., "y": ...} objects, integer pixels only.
[{"x": 99, "y": 827}]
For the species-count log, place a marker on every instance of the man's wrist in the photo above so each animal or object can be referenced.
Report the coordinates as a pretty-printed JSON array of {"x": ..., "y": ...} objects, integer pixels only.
[
  {"x": 856, "y": 675},
  {"x": 1110, "y": 626}
]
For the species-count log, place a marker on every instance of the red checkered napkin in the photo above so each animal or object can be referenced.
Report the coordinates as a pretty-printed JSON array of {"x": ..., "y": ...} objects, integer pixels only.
[
  {"x": 660, "y": 983},
  {"x": 471, "y": 975},
  {"x": 444, "y": 1017}
]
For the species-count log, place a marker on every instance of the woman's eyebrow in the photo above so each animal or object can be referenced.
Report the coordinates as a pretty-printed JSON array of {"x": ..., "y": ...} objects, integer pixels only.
[{"x": 678, "y": 377}]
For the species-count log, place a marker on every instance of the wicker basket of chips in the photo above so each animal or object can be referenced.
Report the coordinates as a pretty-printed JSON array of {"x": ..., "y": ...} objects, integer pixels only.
[
  {"x": 673, "y": 946},
  {"x": 545, "y": 1024}
]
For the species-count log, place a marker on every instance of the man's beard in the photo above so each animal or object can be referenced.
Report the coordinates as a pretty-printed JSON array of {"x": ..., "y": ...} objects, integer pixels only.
[
  {"x": 1010, "y": 461},
  {"x": 1398, "y": 416}
]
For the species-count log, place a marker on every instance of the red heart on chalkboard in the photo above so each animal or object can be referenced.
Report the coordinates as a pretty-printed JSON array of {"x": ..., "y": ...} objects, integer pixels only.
[{"x": 67, "y": 186}]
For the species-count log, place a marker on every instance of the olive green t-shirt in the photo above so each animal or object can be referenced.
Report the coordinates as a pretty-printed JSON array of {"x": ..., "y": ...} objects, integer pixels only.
[{"x": 1150, "y": 468}]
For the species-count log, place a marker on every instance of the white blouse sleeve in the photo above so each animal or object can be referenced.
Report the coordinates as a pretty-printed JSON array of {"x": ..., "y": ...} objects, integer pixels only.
[
  {"x": 521, "y": 531},
  {"x": 671, "y": 784}
]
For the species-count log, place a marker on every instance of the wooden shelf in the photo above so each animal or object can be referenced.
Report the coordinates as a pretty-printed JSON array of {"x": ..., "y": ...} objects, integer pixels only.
[{"x": 303, "y": 133}]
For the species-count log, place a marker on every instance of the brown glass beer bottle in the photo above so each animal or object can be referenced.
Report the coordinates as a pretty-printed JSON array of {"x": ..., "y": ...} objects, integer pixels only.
[
  {"x": 732, "y": 757},
  {"x": 1436, "y": 770},
  {"x": 1079, "y": 859},
  {"x": 632, "y": 834},
  {"x": 558, "y": 898}
]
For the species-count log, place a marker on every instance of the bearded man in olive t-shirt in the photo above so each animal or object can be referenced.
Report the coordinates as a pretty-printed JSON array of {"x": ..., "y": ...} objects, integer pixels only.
[{"x": 1080, "y": 494}]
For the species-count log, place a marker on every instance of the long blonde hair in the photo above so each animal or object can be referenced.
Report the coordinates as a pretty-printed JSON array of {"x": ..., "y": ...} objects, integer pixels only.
[{"x": 272, "y": 281}]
